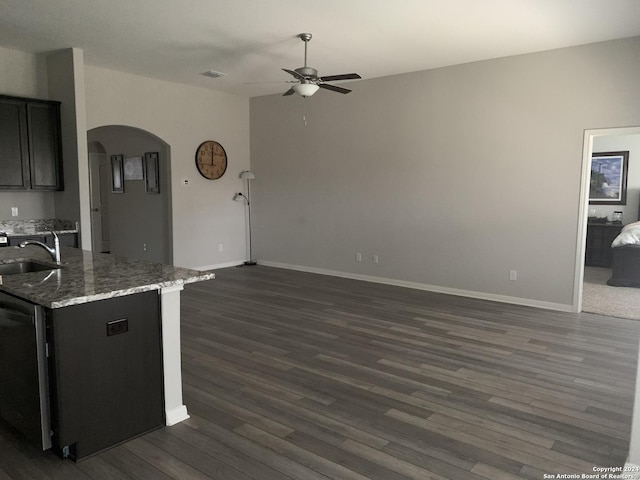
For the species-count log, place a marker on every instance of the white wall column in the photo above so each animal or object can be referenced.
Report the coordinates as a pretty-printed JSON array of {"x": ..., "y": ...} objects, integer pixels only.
[
  {"x": 175, "y": 410},
  {"x": 65, "y": 75}
]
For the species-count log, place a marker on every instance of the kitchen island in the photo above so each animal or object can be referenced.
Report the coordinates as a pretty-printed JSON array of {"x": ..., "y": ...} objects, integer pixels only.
[{"x": 84, "y": 290}]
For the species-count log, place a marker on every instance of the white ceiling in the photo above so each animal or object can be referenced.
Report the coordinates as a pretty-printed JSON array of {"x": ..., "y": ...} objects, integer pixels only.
[{"x": 251, "y": 40}]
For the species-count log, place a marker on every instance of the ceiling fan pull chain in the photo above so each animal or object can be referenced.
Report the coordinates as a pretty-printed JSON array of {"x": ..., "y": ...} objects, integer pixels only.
[{"x": 304, "y": 111}]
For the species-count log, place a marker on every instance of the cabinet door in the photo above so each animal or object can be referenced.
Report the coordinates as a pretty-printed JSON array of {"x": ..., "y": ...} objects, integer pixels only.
[
  {"x": 65, "y": 239},
  {"x": 15, "y": 241},
  {"x": 44, "y": 146},
  {"x": 599, "y": 238},
  {"x": 14, "y": 154},
  {"x": 107, "y": 358},
  {"x": 68, "y": 239},
  {"x": 594, "y": 245}
]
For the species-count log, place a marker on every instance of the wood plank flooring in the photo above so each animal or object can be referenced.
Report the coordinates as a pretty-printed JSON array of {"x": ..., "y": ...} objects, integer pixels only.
[{"x": 289, "y": 375}]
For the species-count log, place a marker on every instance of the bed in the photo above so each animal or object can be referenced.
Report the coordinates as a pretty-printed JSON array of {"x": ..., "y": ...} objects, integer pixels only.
[{"x": 626, "y": 257}]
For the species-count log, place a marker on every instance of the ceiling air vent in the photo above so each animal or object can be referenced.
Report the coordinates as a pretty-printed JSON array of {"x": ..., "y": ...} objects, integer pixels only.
[{"x": 214, "y": 74}]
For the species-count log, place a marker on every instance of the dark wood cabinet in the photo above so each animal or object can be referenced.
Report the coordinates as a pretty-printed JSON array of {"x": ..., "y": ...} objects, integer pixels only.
[
  {"x": 30, "y": 145},
  {"x": 66, "y": 239},
  {"x": 599, "y": 238},
  {"x": 105, "y": 372},
  {"x": 43, "y": 125},
  {"x": 15, "y": 241},
  {"x": 14, "y": 154}
]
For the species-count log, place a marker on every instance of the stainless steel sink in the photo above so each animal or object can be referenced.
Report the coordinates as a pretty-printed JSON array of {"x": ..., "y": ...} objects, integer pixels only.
[{"x": 27, "y": 266}]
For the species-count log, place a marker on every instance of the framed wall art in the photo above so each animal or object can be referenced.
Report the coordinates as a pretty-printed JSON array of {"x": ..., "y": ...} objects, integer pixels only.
[
  {"x": 151, "y": 172},
  {"x": 133, "y": 168},
  {"x": 117, "y": 174},
  {"x": 609, "y": 178}
]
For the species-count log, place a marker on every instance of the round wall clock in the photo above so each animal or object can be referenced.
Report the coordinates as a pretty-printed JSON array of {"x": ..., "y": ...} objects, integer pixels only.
[{"x": 211, "y": 160}]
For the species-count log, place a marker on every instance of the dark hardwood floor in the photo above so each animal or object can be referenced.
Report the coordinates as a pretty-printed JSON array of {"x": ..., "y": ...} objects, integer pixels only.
[{"x": 289, "y": 375}]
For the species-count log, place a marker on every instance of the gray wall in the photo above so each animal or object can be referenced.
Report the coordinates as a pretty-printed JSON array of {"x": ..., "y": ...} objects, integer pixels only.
[
  {"x": 451, "y": 176},
  {"x": 31, "y": 205},
  {"x": 24, "y": 75},
  {"x": 138, "y": 220}
]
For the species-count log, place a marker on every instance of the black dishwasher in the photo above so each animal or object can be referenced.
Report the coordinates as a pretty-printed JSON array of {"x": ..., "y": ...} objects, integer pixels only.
[{"x": 24, "y": 387}]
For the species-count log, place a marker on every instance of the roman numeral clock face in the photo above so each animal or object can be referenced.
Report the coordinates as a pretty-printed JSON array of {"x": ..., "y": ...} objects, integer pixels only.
[{"x": 211, "y": 160}]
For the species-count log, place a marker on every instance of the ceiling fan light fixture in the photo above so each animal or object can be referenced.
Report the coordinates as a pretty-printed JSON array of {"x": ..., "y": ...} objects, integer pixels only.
[
  {"x": 309, "y": 79},
  {"x": 305, "y": 89}
]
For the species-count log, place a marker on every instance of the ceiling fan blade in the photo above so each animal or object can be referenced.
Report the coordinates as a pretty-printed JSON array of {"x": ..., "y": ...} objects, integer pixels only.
[
  {"x": 295, "y": 74},
  {"x": 291, "y": 91},
  {"x": 344, "y": 76},
  {"x": 334, "y": 88}
]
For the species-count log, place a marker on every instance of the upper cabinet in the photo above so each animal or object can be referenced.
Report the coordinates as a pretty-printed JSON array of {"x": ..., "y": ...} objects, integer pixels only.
[
  {"x": 30, "y": 147},
  {"x": 14, "y": 148}
]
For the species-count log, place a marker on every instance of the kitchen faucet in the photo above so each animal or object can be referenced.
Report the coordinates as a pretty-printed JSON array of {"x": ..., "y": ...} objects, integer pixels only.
[{"x": 54, "y": 252}]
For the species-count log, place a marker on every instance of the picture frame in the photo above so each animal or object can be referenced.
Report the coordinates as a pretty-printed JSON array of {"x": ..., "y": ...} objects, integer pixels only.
[
  {"x": 133, "y": 168},
  {"x": 609, "y": 172},
  {"x": 151, "y": 168},
  {"x": 117, "y": 174}
]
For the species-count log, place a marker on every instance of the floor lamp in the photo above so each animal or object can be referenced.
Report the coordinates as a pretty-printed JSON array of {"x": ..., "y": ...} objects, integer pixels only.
[{"x": 239, "y": 197}]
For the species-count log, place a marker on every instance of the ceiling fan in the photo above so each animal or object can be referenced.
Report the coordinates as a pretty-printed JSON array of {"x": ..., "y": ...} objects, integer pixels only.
[{"x": 309, "y": 81}]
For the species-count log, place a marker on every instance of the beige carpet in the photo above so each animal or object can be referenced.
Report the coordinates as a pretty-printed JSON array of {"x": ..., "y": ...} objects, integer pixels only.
[{"x": 598, "y": 297}]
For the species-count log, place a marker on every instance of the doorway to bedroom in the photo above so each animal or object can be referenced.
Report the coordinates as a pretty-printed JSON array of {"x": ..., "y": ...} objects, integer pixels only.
[{"x": 604, "y": 225}]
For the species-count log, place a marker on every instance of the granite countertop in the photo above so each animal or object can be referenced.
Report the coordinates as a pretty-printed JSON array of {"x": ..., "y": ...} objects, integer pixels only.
[
  {"x": 87, "y": 276},
  {"x": 16, "y": 228}
]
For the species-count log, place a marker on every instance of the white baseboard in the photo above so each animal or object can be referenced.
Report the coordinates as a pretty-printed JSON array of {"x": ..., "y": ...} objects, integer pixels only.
[
  {"x": 423, "y": 286},
  {"x": 220, "y": 265},
  {"x": 176, "y": 415}
]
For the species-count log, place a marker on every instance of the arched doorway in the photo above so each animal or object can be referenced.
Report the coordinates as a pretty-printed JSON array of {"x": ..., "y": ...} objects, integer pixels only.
[{"x": 135, "y": 222}]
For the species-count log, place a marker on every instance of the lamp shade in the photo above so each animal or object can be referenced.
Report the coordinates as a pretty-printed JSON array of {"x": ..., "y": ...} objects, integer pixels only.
[
  {"x": 247, "y": 175},
  {"x": 305, "y": 89}
]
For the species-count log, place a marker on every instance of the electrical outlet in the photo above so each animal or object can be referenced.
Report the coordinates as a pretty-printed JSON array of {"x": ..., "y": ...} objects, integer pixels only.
[
  {"x": 220, "y": 247},
  {"x": 375, "y": 258},
  {"x": 144, "y": 247},
  {"x": 513, "y": 275},
  {"x": 358, "y": 257},
  {"x": 14, "y": 211}
]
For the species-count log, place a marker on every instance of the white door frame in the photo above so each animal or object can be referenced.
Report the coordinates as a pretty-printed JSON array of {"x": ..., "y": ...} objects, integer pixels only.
[{"x": 587, "y": 150}]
